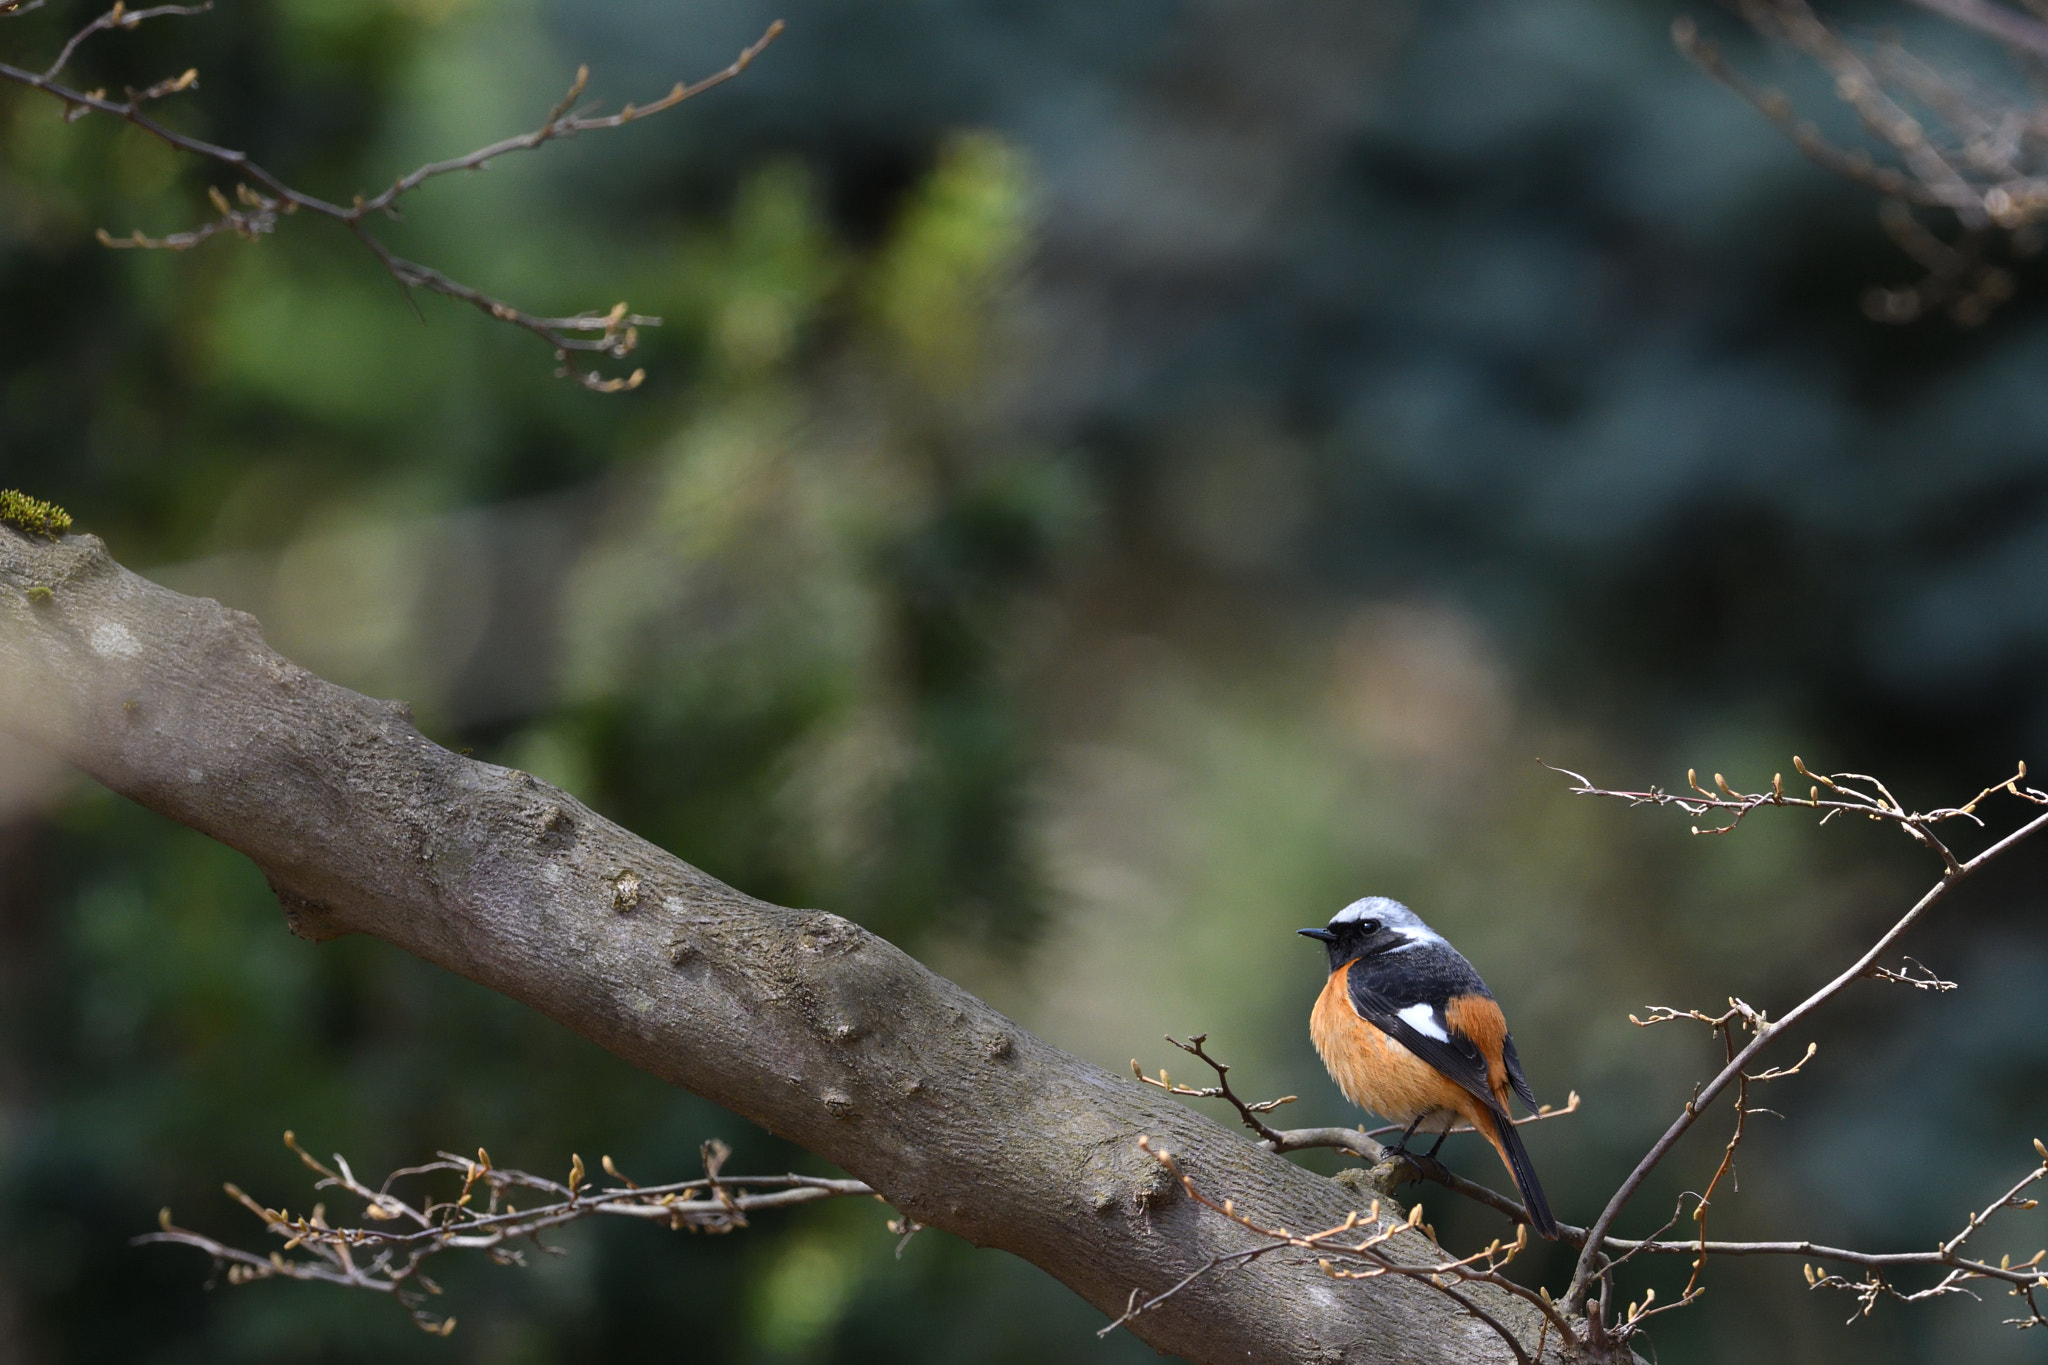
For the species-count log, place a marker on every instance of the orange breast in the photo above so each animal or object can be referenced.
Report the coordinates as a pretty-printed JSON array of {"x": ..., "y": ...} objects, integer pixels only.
[{"x": 1373, "y": 1070}]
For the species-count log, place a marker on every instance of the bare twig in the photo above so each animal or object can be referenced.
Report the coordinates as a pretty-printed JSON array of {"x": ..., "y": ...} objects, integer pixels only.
[
  {"x": 1724, "y": 1026},
  {"x": 261, "y": 198},
  {"x": 1848, "y": 793},
  {"x": 1947, "y": 1256},
  {"x": 388, "y": 1259},
  {"x": 1341, "y": 1258},
  {"x": 2026, "y": 1278},
  {"x": 1544, "y": 1113},
  {"x": 1915, "y": 974},
  {"x": 2030, "y": 35},
  {"x": 1249, "y": 1112},
  {"x": 1359, "y": 1142},
  {"x": 1937, "y": 139},
  {"x": 120, "y": 16}
]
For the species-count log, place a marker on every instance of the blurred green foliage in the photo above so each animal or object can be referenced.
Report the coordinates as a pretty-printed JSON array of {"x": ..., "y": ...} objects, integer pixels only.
[{"x": 1114, "y": 483}]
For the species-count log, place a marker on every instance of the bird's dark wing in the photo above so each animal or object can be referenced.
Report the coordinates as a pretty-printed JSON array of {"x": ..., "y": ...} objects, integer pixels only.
[
  {"x": 1515, "y": 1073},
  {"x": 1456, "y": 1056}
]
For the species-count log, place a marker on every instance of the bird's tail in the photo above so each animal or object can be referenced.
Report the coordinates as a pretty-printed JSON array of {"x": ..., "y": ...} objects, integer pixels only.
[{"x": 1516, "y": 1158}]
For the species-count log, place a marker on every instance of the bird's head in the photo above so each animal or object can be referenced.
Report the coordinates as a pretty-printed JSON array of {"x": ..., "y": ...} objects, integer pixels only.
[{"x": 1369, "y": 927}]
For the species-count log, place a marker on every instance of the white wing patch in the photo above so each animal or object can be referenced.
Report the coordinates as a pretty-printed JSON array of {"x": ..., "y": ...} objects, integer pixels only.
[{"x": 1422, "y": 1018}]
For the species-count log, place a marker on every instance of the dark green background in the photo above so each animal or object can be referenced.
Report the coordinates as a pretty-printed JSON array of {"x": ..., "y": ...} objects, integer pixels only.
[{"x": 1115, "y": 483}]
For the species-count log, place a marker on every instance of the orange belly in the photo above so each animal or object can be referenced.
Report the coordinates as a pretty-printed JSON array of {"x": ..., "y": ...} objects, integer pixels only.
[{"x": 1377, "y": 1073}]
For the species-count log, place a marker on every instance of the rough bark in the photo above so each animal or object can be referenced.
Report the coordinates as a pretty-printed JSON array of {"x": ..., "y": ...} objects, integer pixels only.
[{"x": 799, "y": 1020}]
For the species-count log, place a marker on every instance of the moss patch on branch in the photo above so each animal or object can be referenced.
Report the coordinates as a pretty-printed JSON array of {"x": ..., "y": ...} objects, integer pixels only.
[{"x": 33, "y": 515}]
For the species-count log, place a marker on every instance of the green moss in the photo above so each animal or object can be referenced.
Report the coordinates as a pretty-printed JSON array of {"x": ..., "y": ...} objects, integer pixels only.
[
  {"x": 33, "y": 515},
  {"x": 41, "y": 595}
]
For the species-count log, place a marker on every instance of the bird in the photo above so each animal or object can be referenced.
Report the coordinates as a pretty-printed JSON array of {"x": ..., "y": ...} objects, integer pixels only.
[{"x": 1409, "y": 1031}]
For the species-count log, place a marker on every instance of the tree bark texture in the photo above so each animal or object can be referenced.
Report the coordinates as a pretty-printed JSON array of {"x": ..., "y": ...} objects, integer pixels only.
[{"x": 796, "y": 1019}]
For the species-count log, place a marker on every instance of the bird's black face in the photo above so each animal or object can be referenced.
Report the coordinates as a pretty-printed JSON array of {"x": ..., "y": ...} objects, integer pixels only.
[{"x": 1351, "y": 938}]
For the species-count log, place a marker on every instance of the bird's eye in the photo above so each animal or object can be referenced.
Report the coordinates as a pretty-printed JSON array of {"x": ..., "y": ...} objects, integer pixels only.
[{"x": 1368, "y": 926}]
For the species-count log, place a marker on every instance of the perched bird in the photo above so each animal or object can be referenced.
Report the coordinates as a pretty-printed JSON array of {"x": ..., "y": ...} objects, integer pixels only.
[{"x": 1409, "y": 1031}]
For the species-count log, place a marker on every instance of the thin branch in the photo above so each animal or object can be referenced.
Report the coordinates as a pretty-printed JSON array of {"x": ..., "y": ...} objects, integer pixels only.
[
  {"x": 389, "y": 1259},
  {"x": 2017, "y": 30},
  {"x": 1870, "y": 799},
  {"x": 2026, "y": 1278},
  {"x": 1336, "y": 1254},
  {"x": 1544, "y": 1113},
  {"x": 616, "y": 331},
  {"x": 1915, "y": 974},
  {"x": 120, "y": 16},
  {"x": 1249, "y": 1112},
  {"x": 1358, "y": 1142},
  {"x": 1937, "y": 138}
]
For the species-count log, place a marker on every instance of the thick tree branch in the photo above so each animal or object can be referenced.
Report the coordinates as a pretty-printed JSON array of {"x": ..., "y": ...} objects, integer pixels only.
[{"x": 796, "y": 1019}]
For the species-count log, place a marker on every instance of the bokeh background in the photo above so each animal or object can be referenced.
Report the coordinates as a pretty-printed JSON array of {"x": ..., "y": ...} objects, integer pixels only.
[{"x": 1115, "y": 483}]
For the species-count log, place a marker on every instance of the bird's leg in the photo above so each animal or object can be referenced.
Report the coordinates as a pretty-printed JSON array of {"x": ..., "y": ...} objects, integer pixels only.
[
  {"x": 1401, "y": 1147},
  {"x": 1431, "y": 1155}
]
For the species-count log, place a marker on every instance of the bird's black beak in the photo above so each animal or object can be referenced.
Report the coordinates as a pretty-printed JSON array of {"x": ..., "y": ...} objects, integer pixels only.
[{"x": 1324, "y": 934}]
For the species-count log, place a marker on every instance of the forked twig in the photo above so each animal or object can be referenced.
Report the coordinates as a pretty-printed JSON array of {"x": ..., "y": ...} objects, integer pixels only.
[
  {"x": 1341, "y": 1258},
  {"x": 387, "y": 1253},
  {"x": 1935, "y": 138},
  {"x": 260, "y": 198},
  {"x": 1847, "y": 793},
  {"x": 1249, "y": 1112}
]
